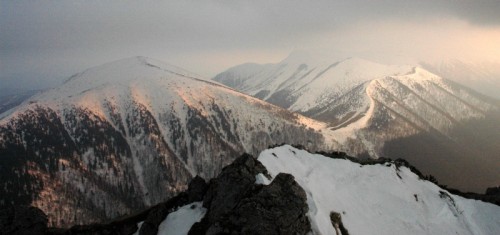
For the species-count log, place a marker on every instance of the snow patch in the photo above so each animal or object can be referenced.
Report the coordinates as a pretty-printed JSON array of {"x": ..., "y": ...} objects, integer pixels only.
[
  {"x": 139, "y": 225},
  {"x": 262, "y": 179},
  {"x": 180, "y": 221}
]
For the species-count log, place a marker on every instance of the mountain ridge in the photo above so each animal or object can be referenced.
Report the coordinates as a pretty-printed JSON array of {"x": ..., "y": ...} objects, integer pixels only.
[
  {"x": 367, "y": 105},
  {"x": 131, "y": 126}
]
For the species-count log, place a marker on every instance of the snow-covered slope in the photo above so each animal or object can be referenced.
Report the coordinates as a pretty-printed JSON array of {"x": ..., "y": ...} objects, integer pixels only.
[
  {"x": 345, "y": 91},
  {"x": 180, "y": 221},
  {"x": 445, "y": 129},
  {"x": 368, "y": 105},
  {"x": 137, "y": 126},
  {"x": 302, "y": 82},
  {"x": 378, "y": 199},
  {"x": 422, "y": 99}
]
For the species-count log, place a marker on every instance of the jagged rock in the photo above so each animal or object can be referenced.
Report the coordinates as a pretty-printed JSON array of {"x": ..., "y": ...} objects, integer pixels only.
[
  {"x": 236, "y": 205},
  {"x": 235, "y": 180},
  {"x": 336, "y": 220},
  {"x": 279, "y": 208},
  {"x": 196, "y": 189},
  {"x": 22, "y": 220}
]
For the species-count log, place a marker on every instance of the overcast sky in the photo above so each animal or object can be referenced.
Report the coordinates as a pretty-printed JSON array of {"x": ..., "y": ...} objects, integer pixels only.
[{"x": 42, "y": 42}]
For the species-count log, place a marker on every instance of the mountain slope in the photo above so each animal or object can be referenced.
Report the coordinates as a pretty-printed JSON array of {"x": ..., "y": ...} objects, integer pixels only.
[
  {"x": 378, "y": 199},
  {"x": 129, "y": 134},
  {"x": 301, "y": 82},
  {"x": 410, "y": 113},
  {"x": 370, "y": 107}
]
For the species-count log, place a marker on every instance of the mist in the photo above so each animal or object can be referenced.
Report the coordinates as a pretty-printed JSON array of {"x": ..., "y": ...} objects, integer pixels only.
[{"x": 44, "y": 42}]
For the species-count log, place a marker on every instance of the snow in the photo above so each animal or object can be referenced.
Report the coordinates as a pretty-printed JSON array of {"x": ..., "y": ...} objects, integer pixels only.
[
  {"x": 139, "y": 172},
  {"x": 262, "y": 179},
  {"x": 378, "y": 199},
  {"x": 162, "y": 89},
  {"x": 312, "y": 79},
  {"x": 322, "y": 87},
  {"x": 180, "y": 221},
  {"x": 367, "y": 110},
  {"x": 139, "y": 225}
]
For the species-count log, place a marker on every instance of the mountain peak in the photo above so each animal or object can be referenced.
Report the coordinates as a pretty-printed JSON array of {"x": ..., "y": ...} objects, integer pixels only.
[
  {"x": 121, "y": 72},
  {"x": 128, "y": 68}
]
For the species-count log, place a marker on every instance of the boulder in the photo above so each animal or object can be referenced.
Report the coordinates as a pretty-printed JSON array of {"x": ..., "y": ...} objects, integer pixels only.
[{"x": 236, "y": 205}]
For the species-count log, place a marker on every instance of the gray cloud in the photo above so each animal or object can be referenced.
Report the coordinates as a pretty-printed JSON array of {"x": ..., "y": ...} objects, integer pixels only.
[{"x": 45, "y": 41}]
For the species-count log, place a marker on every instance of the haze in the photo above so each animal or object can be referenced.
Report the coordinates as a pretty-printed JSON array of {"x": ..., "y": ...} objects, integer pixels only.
[{"x": 44, "y": 42}]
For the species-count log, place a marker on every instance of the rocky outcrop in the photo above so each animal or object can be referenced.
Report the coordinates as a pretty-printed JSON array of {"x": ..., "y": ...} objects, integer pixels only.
[
  {"x": 236, "y": 205},
  {"x": 336, "y": 220},
  {"x": 279, "y": 208}
]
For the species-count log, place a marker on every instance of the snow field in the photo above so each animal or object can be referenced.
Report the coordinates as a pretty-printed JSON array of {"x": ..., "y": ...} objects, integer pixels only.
[{"x": 378, "y": 199}]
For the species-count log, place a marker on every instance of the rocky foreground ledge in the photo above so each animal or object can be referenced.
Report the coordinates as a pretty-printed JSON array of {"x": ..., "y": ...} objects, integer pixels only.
[{"x": 290, "y": 191}]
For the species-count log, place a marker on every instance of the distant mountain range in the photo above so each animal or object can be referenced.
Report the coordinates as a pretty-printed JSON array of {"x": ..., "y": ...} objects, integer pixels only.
[
  {"x": 375, "y": 110},
  {"x": 120, "y": 137}
]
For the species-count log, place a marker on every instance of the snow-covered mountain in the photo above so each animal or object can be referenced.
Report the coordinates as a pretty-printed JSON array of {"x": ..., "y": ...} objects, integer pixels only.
[
  {"x": 376, "y": 110},
  {"x": 302, "y": 82},
  {"x": 129, "y": 134}
]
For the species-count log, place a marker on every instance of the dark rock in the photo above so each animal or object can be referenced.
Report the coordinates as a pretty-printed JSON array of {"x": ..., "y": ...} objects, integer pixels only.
[
  {"x": 336, "y": 220},
  {"x": 22, "y": 220},
  {"x": 493, "y": 191},
  {"x": 197, "y": 189},
  {"x": 236, "y": 205},
  {"x": 279, "y": 208},
  {"x": 235, "y": 180}
]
